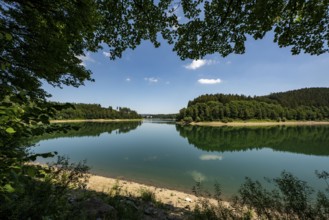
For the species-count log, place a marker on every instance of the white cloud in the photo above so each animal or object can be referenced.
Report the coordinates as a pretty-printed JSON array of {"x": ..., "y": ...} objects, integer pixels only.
[
  {"x": 196, "y": 64},
  {"x": 151, "y": 79},
  {"x": 86, "y": 58},
  {"x": 209, "y": 81},
  {"x": 211, "y": 157},
  {"x": 128, "y": 79},
  {"x": 228, "y": 62},
  {"x": 107, "y": 54}
]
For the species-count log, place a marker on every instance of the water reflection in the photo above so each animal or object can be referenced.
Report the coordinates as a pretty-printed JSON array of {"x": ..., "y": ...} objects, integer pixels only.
[
  {"x": 168, "y": 155},
  {"x": 310, "y": 140},
  {"x": 93, "y": 129}
]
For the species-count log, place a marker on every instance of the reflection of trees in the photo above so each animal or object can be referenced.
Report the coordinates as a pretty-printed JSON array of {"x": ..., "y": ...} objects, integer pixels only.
[
  {"x": 298, "y": 139},
  {"x": 93, "y": 129}
]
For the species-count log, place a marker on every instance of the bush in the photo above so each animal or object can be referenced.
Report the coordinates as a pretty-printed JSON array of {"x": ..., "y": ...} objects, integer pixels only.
[
  {"x": 147, "y": 195},
  {"x": 45, "y": 192},
  {"x": 291, "y": 199},
  {"x": 188, "y": 120}
]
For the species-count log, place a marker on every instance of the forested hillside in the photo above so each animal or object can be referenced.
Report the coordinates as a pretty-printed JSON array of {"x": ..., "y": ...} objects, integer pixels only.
[
  {"x": 95, "y": 111},
  {"x": 302, "y": 104},
  {"x": 302, "y": 97}
]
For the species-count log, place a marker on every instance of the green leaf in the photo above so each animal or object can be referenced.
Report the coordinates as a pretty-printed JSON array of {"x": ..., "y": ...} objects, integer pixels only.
[
  {"x": 8, "y": 37},
  {"x": 10, "y": 130},
  {"x": 9, "y": 188},
  {"x": 3, "y": 66},
  {"x": 31, "y": 171}
]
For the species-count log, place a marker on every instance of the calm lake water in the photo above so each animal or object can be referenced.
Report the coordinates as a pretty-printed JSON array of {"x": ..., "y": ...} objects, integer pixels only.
[{"x": 173, "y": 156}]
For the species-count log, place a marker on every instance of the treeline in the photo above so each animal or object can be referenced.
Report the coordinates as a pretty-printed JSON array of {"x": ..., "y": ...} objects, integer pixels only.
[
  {"x": 303, "y": 104},
  {"x": 95, "y": 111},
  {"x": 302, "y": 97}
]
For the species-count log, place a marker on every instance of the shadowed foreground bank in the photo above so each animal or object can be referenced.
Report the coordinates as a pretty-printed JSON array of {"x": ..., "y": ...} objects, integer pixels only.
[
  {"x": 66, "y": 191},
  {"x": 290, "y": 198}
]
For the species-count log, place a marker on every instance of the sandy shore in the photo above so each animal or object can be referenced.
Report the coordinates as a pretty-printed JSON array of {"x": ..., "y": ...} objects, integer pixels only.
[
  {"x": 128, "y": 188},
  {"x": 93, "y": 120},
  {"x": 238, "y": 124}
]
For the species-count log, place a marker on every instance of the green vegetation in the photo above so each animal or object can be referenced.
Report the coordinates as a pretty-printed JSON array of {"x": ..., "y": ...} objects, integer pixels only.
[
  {"x": 147, "y": 195},
  {"x": 302, "y": 104},
  {"x": 43, "y": 191},
  {"x": 290, "y": 198},
  {"x": 310, "y": 140},
  {"x": 95, "y": 111}
]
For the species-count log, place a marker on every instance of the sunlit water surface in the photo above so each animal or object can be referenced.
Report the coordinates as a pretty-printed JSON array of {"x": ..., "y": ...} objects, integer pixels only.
[{"x": 168, "y": 155}]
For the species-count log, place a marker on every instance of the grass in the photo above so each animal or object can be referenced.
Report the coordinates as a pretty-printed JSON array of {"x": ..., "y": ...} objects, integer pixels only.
[{"x": 147, "y": 195}]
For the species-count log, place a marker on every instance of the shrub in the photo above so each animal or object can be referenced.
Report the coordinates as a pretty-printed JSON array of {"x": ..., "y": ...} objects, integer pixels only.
[
  {"x": 45, "y": 192},
  {"x": 188, "y": 120},
  {"x": 147, "y": 195}
]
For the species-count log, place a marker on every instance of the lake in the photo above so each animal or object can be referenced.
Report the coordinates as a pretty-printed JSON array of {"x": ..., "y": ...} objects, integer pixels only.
[{"x": 167, "y": 155}]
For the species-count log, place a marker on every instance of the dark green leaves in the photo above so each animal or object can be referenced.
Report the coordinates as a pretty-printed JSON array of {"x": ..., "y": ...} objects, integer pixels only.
[
  {"x": 42, "y": 40},
  {"x": 290, "y": 199},
  {"x": 226, "y": 24}
]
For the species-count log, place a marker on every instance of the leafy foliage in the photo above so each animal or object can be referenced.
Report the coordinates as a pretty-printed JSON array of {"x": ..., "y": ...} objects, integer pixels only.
[
  {"x": 290, "y": 199},
  {"x": 147, "y": 195},
  {"x": 223, "y": 26},
  {"x": 303, "y": 104},
  {"x": 46, "y": 40},
  {"x": 44, "y": 191},
  {"x": 18, "y": 123}
]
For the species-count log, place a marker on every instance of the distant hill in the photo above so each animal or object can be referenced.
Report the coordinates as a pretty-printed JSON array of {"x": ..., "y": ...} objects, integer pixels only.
[
  {"x": 301, "y": 104},
  {"x": 95, "y": 111},
  {"x": 302, "y": 97}
]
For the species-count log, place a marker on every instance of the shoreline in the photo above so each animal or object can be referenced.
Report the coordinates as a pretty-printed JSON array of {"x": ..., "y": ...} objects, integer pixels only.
[
  {"x": 118, "y": 186},
  {"x": 172, "y": 197},
  {"x": 208, "y": 123},
  {"x": 93, "y": 120},
  {"x": 250, "y": 123}
]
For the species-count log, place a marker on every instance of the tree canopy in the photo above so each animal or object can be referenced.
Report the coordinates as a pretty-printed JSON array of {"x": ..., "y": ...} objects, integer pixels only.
[
  {"x": 301, "y": 104},
  {"x": 43, "y": 41}
]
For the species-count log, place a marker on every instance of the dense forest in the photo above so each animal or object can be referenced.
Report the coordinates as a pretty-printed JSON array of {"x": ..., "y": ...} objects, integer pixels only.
[
  {"x": 302, "y": 104},
  {"x": 95, "y": 111}
]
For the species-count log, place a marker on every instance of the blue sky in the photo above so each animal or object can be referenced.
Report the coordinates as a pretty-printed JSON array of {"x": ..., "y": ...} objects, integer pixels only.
[{"x": 155, "y": 80}]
